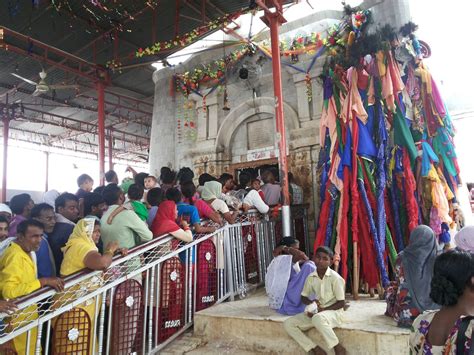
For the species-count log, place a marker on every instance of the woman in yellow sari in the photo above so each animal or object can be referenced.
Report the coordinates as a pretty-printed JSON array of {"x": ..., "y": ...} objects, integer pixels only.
[{"x": 81, "y": 252}]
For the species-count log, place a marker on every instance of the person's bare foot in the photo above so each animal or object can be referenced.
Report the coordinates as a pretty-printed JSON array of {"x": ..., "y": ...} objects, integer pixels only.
[
  {"x": 318, "y": 351},
  {"x": 340, "y": 350}
]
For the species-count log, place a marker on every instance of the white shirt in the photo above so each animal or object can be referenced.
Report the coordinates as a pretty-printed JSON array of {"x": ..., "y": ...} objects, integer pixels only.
[
  {"x": 219, "y": 206},
  {"x": 253, "y": 199},
  {"x": 61, "y": 219}
]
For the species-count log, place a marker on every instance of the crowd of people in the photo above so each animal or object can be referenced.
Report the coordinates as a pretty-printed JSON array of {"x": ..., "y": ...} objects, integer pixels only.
[
  {"x": 41, "y": 244},
  {"x": 432, "y": 293}
]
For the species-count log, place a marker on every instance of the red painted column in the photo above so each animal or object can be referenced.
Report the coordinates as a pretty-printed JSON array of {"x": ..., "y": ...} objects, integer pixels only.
[
  {"x": 6, "y": 130},
  {"x": 101, "y": 129},
  {"x": 274, "y": 21},
  {"x": 46, "y": 183},
  {"x": 111, "y": 150}
]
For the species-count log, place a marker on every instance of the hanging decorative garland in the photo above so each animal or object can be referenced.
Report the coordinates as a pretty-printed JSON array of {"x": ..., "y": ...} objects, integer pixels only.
[
  {"x": 188, "y": 38},
  {"x": 210, "y": 75},
  {"x": 186, "y": 130}
]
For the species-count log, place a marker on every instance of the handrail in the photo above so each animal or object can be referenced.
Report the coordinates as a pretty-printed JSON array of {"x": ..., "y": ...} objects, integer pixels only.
[
  {"x": 84, "y": 274},
  {"x": 80, "y": 276},
  {"x": 242, "y": 252}
]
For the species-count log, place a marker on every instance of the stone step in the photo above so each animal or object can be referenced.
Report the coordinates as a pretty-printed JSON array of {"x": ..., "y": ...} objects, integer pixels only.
[
  {"x": 183, "y": 344},
  {"x": 251, "y": 325},
  {"x": 219, "y": 349},
  {"x": 190, "y": 344}
]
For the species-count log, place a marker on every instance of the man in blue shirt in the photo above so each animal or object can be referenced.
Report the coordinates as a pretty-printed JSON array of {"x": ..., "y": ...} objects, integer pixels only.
[{"x": 45, "y": 262}]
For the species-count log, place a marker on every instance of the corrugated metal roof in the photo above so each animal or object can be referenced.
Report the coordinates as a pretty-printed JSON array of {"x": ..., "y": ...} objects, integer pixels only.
[{"x": 71, "y": 34}]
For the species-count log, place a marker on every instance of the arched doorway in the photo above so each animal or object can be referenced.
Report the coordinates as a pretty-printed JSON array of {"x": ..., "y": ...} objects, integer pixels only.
[{"x": 247, "y": 137}]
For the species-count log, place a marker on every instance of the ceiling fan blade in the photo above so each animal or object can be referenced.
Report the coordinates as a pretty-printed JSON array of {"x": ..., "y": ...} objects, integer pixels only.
[
  {"x": 61, "y": 87},
  {"x": 31, "y": 82}
]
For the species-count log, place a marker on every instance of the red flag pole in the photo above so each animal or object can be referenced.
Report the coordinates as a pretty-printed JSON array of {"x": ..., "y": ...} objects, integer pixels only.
[
  {"x": 6, "y": 129},
  {"x": 101, "y": 128},
  {"x": 273, "y": 19}
]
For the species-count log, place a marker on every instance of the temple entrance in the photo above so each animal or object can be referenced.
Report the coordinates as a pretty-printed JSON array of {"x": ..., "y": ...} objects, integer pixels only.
[{"x": 255, "y": 168}]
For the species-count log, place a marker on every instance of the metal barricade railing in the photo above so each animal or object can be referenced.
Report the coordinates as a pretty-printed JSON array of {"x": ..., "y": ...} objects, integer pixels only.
[
  {"x": 299, "y": 227},
  {"x": 143, "y": 300}
]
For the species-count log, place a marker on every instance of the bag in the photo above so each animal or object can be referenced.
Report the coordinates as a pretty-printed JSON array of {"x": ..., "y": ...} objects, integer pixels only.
[{"x": 461, "y": 338}]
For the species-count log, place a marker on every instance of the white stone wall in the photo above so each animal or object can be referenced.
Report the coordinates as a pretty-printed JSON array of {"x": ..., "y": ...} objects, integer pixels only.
[{"x": 222, "y": 137}]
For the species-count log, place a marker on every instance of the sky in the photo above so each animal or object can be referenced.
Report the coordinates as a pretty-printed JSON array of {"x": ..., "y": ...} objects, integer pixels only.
[{"x": 446, "y": 28}]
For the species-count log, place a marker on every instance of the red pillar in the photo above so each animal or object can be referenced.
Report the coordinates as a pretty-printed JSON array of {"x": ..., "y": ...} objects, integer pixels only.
[
  {"x": 274, "y": 20},
  {"x": 46, "y": 183},
  {"x": 111, "y": 150},
  {"x": 101, "y": 129},
  {"x": 6, "y": 129}
]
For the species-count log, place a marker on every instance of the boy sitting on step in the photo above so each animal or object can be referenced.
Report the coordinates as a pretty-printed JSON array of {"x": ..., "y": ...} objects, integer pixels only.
[{"x": 323, "y": 314}]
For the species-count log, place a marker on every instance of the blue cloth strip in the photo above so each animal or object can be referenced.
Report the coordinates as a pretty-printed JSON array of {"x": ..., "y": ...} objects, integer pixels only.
[{"x": 373, "y": 230}]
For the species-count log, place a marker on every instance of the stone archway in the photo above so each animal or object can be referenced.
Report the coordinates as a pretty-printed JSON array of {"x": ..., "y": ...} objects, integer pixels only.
[{"x": 246, "y": 110}]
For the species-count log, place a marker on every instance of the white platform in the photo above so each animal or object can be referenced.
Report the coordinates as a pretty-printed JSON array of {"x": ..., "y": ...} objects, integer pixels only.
[{"x": 252, "y": 326}]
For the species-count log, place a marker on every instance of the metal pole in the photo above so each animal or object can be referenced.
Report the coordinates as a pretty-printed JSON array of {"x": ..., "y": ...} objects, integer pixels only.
[
  {"x": 274, "y": 20},
  {"x": 46, "y": 183},
  {"x": 101, "y": 129},
  {"x": 6, "y": 129},
  {"x": 111, "y": 150}
]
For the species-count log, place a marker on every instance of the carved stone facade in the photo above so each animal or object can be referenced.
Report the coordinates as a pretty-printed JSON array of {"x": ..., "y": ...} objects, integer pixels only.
[{"x": 224, "y": 139}]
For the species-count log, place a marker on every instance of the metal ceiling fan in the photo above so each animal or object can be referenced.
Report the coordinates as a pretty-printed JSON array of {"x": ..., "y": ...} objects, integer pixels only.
[{"x": 42, "y": 86}]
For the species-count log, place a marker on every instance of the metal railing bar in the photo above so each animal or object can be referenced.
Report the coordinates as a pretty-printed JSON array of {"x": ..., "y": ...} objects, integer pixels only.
[{"x": 231, "y": 274}]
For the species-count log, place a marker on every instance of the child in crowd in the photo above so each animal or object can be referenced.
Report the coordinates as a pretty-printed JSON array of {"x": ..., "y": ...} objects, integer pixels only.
[
  {"x": 153, "y": 198},
  {"x": 151, "y": 182},
  {"x": 85, "y": 184},
  {"x": 325, "y": 313},
  {"x": 135, "y": 194},
  {"x": 256, "y": 184}
]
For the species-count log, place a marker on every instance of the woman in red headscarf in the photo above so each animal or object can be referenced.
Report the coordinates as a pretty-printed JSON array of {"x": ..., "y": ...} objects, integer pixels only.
[{"x": 165, "y": 223}]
